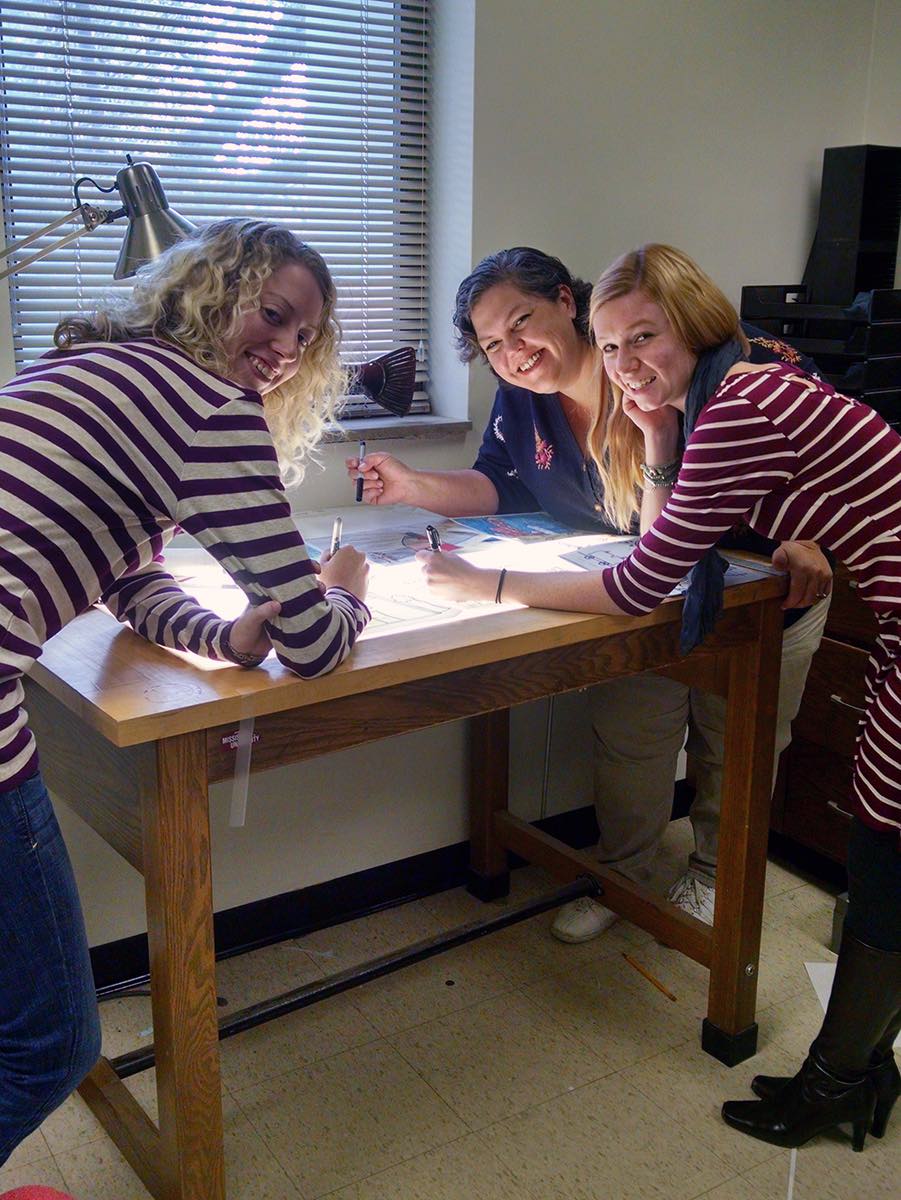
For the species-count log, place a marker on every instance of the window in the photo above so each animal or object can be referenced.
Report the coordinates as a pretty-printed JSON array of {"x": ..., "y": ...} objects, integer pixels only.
[{"x": 311, "y": 114}]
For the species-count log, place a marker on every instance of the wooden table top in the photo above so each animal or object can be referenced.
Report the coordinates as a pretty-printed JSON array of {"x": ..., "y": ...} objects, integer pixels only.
[{"x": 132, "y": 691}]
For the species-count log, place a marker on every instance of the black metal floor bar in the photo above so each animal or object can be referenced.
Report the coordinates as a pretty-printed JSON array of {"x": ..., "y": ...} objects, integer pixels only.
[{"x": 278, "y": 1006}]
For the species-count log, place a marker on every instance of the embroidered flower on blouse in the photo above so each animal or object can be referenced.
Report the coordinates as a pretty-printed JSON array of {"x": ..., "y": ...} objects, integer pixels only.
[
  {"x": 497, "y": 427},
  {"x": 786, "y": 352},
  {"x": 512, "y": 473},
  {"x": 544, "y": 452}
]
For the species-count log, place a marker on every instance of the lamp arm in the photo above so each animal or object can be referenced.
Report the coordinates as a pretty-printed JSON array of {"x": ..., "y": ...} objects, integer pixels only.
[{"x": 91, "y": 217}]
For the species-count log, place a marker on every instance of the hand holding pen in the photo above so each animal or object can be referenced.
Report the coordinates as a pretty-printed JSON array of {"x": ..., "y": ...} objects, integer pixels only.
[
  {"x": 385, "y": 479},
  {"x": 344, "y": 566}
]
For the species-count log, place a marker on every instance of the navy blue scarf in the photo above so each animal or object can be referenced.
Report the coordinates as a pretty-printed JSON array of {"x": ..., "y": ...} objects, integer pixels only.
[{"x": 704, "y": 598}]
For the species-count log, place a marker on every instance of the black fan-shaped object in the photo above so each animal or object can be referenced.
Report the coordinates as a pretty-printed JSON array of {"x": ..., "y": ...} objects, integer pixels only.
[{"x": 390, "y": 380}]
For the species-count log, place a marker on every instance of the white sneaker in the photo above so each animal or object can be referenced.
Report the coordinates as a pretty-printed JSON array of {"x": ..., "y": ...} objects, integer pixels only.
[
  {"x": 694, "y": 896},
  {"x": 581, "y": 920}
]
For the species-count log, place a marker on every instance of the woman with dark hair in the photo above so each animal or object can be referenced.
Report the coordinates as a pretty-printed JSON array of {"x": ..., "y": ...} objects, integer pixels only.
[
  {"x": 546, "y": 448},
  {"x": 777, "y": 447},
  {"x": 533, "y": 452},
  {"x": 169, "y": 407}
]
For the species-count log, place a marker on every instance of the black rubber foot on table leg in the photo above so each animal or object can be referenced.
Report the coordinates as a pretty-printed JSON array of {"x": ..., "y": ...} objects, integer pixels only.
[
  {"x": 488, "y": 887},
  {"x": 729, "y": 1048}
]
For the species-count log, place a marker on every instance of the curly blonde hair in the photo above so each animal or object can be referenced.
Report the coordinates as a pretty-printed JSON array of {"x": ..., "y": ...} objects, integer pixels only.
[
  {"x": 195, "y": 295},
  {"x": 701, "y": 316}
]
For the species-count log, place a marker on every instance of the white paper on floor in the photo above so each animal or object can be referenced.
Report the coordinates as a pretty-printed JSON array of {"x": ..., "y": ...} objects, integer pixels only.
[
  {"x": 821, "y": 976},
  {"x": 792, "y": 1167}
]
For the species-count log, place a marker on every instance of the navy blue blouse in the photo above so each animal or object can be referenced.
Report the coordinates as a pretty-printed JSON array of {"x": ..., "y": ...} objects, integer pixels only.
[{"x": 532, "y": 457}]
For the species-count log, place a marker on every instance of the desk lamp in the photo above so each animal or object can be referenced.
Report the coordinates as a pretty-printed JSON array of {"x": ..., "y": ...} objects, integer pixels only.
[{"x": 152, "y": 225}]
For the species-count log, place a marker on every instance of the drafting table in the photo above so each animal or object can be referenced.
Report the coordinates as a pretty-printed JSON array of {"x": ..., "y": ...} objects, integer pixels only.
[{"x": 131, "y": 736}]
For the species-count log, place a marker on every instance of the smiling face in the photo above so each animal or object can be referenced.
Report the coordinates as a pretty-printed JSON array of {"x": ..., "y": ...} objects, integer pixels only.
[
  {"x": 265, "y": 349},
  {"x": 642, "y": 352},
  {"x": 529, "y": 341}
]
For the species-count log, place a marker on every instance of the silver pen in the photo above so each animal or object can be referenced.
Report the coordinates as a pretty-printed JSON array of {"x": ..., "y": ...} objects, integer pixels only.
[{"x": 336, "y": 536}]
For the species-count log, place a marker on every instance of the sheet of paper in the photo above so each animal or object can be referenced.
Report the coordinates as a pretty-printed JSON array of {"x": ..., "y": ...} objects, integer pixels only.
[
  {"x": 398, "y": 598},
  {"x": 398, "y": 544},
  {"x": 594, "y": 557},
  {"x": 517, "y": 525}
]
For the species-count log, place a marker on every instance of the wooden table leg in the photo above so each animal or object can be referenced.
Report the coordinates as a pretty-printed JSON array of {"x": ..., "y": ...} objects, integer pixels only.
[
  {"x": 129, "y": 1126},
  {"x": 489, "y": 742},
  {"x": 178, "y": 881},
  {"x": 729, "y": 1032}
]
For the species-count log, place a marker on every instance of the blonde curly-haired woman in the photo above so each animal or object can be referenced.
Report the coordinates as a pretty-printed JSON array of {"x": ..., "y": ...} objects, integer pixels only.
[{"x": 181, "y": 405}]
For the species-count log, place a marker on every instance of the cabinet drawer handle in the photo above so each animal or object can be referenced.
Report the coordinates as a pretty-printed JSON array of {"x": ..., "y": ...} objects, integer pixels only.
[
  {"x": 844, "y": 704},
  {"x": 836, "y": 807}
]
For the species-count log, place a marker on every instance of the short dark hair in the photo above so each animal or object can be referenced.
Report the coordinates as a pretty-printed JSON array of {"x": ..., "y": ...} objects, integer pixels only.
[{"x": 526, "y": 268}]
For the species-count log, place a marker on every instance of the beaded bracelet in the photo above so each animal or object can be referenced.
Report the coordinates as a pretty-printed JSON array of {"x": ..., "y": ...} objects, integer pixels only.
[
  {"x": 657, "y": 477},
  {"x": 240, "y": 659},
  {"x": 500, "y": 585}
]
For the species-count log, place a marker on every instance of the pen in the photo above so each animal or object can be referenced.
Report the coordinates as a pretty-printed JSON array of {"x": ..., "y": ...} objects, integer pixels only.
[
  {"x": 648, "y": 976},
  {"x": 361, "y": 454},
  {"x": 336, "y": 535},
  {"x": 433, "y": 536}
]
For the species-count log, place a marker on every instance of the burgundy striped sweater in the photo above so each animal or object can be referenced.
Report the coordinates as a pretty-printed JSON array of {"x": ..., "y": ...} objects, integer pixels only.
[
  {"x": 104, "y": 450},
  {"x": 796, "y": 460}
]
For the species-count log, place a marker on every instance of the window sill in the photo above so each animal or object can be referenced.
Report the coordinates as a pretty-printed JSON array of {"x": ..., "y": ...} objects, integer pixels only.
[{"x": 425, "y": 427}]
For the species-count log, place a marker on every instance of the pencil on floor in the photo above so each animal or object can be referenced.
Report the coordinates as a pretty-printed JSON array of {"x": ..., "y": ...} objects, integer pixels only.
[{"x": 648, "y": 976}]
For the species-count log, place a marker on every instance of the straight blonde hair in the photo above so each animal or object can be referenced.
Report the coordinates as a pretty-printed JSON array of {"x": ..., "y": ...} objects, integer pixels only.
[
  {"x": 701, "y": 316},
  {"x": 194, "y": 296}
]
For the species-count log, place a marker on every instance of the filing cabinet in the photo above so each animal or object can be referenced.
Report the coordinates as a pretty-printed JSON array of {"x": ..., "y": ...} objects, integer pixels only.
[{"x": 810, "y": 803}]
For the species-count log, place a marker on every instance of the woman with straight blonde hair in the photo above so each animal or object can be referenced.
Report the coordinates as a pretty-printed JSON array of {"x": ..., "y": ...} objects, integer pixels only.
[
  {"x": 167, "y": 408},
  {"x": 702, "y": 316},
  {"x": 776, "y": 447}
]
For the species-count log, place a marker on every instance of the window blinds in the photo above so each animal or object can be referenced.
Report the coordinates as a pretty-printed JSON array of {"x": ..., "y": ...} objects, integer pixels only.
[{"x": 310, "y": 114}]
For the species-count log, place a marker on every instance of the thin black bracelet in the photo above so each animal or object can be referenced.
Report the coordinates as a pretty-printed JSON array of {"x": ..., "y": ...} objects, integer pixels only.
[{"x": 500, "y": 585}]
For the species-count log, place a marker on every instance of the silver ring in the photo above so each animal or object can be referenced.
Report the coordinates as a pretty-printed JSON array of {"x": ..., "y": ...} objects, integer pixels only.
[{"x": 822, "y": 595}]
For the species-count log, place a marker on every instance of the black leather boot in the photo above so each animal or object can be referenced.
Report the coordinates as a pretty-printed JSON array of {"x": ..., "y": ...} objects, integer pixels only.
[
  {"x": 883, "y": 1072},
  {"x": 833, "y": 1087},
  {"x": 814, "y": 1101}
]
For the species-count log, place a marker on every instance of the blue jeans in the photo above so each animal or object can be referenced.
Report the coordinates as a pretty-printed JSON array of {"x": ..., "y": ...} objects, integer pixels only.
[{"x": 49, "y": 1028}]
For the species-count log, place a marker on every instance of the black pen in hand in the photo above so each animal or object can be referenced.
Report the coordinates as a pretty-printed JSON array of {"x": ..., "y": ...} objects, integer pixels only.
[
  {"x": 361, "y": 454},
  {"x": 433, "y": 536}
]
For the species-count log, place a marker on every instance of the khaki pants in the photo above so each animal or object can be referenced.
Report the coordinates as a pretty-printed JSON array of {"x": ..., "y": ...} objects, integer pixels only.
[{"x": 640, "y": 725}]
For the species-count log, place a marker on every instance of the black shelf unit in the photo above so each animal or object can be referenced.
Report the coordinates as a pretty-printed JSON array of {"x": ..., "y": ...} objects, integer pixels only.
[
  {"x": 857, "y": 349},
  {"x": 845, "y": 313}
]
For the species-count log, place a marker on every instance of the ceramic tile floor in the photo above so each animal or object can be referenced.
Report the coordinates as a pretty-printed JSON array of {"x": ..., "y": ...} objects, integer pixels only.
[{"x": 514, "y": 1068}]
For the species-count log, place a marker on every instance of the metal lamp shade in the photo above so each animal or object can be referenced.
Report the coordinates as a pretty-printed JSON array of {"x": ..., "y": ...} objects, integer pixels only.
[{"x": 152, "y": 225}]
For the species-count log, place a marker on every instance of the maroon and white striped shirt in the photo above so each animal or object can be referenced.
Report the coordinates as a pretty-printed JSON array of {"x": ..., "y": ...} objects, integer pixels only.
[
  {"x": 104, "y": 450},
  {"x": 796, "y": 460}
]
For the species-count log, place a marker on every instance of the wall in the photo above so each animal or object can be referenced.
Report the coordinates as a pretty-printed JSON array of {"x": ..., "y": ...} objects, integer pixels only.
[{"x": 594, "y": 125}]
